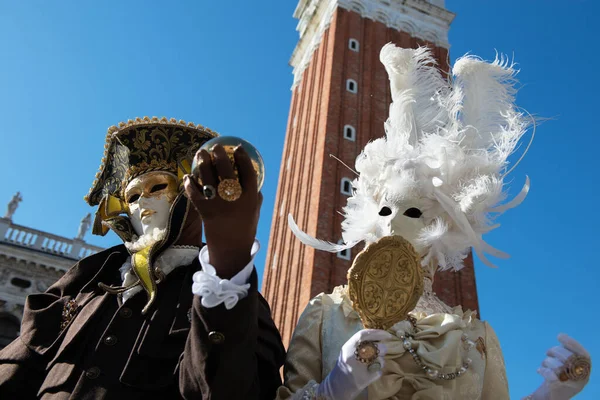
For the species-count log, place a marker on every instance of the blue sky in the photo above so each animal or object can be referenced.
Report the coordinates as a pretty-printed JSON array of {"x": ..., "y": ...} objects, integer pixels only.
[{"x": 69, "y": 70}]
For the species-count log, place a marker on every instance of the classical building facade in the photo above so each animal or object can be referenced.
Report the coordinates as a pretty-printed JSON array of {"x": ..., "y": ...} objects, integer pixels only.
[
  {"x": 31, "y": 261},
  {"x": 340, "y": 100}
]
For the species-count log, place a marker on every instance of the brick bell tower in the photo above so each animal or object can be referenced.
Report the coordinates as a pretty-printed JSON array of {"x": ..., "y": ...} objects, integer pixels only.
[{"x": 340, "y": 100}]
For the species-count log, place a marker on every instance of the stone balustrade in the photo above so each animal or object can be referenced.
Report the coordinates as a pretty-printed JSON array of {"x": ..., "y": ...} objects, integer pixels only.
[{"x": 45, "y": 242}]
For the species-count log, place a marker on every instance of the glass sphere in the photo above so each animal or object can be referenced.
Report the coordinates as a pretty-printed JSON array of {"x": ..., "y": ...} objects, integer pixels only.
[{"x": 229, "y": 143}]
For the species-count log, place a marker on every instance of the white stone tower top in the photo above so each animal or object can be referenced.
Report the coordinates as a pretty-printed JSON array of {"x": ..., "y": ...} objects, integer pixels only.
[{"x": 427, "y": 20}]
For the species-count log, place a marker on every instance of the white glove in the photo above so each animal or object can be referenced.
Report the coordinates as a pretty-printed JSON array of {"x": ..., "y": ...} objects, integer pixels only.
[
  {"x": 350, "y": 376},
  {"x": 553, "y": 388}
]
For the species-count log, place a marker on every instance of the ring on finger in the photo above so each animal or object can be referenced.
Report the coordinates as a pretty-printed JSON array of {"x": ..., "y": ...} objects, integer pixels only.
[
  {"x": 209, "y": 192},
  {"x": 374, "y": 367},
  {"x": 367, "y": 352},
  {"x": 577, "y": 368},
  {"x": 230, "y": 189}
]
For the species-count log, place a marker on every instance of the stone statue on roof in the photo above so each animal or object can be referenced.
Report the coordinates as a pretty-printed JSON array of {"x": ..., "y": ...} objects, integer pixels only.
[{"x": 13, "y": 205}]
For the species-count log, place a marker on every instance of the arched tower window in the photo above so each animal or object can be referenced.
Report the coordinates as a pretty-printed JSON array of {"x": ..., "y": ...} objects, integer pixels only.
[
  {"x": 351, "y": 86},
  {"x": 344, "y": 254},
  {"x": 346, "y": 187},
  {"x": 349, "y": 133}
]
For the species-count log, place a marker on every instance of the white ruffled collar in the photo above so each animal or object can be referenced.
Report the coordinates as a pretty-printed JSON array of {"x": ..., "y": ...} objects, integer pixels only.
[{"x": 141, "y": 242}]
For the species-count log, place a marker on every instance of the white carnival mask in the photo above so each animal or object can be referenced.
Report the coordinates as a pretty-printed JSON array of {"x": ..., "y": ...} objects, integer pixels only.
[{"x": 149, "y": 198}]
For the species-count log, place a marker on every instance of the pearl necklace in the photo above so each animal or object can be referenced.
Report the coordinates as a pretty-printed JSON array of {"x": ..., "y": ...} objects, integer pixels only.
[{"x": 434, "y": 373}]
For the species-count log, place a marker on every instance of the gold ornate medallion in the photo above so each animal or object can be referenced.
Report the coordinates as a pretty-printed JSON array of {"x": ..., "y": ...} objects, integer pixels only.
[{"x": 385, "y": 282}]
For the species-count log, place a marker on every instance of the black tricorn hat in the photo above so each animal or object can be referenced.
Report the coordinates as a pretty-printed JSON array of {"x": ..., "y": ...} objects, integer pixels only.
[{"x": 138, "y": 146}]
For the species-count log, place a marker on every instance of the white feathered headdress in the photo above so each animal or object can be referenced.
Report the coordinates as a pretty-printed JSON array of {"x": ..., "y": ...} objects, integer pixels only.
[{"x": 437, "y": 177}]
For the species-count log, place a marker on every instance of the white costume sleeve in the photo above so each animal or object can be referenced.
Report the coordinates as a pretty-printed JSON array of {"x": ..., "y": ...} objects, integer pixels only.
[
  {"x": 214, "y": 290},
  {"x": 495, "y": 384}
]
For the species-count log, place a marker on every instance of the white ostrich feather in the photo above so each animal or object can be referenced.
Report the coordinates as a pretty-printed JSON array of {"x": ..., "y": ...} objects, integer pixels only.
[
  {"x": 445, "y": 153},
  {"x": 316, "y": 243},
  {"x": 416, "y": 85}
]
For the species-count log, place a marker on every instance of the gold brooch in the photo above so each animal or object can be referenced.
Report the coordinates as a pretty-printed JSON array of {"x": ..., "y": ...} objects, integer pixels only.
[
  {"x": 577, "y": 368},
  {"x": 366, "y": 352},
  {"x": 69, "y": 311},
  {"x": 385, "y": 282}
]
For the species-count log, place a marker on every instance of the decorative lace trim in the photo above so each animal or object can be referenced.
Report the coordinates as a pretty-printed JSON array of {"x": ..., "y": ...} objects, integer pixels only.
[
  {"x": 185, "y": 246},
  {"x": 429, "y": 303},
  {"x": 215, "y": 291},
  {"x": 146, "y": 240}
]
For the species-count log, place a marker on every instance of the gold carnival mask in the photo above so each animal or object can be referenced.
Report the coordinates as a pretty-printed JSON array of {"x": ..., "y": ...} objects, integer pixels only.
[
  {"x": 148, "y": 200},
  {"x": 385, "y": 282}
]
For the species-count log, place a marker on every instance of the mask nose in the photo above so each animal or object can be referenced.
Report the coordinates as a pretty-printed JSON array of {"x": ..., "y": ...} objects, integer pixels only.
[
  {"x": 385, "y": 229},
  {"x": 143, "y": 201},
  {"x": 408, "y": 228}
]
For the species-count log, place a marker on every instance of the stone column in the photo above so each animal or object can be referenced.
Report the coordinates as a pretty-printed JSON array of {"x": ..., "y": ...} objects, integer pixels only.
[{"x": 4, "y": 225}]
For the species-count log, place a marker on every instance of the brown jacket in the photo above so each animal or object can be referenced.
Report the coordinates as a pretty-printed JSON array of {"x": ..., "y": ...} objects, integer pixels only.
[{"x": 107, "y": 350}]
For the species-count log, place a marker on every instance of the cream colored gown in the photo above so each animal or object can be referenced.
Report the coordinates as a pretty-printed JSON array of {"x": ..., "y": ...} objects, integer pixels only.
[{"x": 329, "y": 321}]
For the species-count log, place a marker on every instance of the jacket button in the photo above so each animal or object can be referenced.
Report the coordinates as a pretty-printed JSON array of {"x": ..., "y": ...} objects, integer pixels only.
[
  {"x": 125, "y": 312},
  {"x": 216, "y": 337},
  {"x": 110, "y": 340},
  {"x": 92, "y": 373}
]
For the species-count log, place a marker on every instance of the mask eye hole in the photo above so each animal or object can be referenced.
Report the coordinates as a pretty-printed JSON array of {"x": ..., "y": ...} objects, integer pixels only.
[
  {"x": 413, "y": 213},
  {"x": 133, "y": 198},
  {"x": 158, "y": 187},
  {"x": 385, "y": 211}
]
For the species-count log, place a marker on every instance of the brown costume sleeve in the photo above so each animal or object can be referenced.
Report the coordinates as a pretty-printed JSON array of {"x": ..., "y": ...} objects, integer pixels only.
[
  {"x": 22, "y": 371},
  {"x": 232, "y": 354},
  {"x": 23, "y": 362}
]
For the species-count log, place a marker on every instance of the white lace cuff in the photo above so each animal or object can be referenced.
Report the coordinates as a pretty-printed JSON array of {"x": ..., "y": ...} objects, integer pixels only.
[{"x": 214, "y": 290}]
